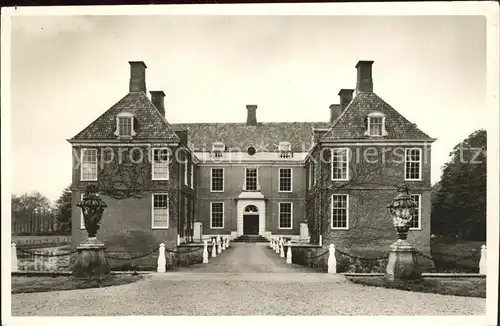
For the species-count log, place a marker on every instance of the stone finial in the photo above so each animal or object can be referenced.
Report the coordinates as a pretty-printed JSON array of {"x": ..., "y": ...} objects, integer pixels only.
[
  {"x": 282, "y": 252},
  {"x": 482, "y": 261},
  {"x": 205, "y": 252},
  {"x": 162, "y": 261},
  {"x": 214, "y": 249},
  {"x": 289, "y": 253},
  {"x": 13, "y": 261}
]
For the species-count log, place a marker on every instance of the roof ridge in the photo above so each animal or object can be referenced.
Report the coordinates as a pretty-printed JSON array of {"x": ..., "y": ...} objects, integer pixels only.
[{"x": 163, "y": 118}]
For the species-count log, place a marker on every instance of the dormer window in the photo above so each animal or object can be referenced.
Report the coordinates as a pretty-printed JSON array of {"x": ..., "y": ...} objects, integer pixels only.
[
  {"x": 376, "y": 125},
  {"x": 218, "y": 148},
  {"x": 125, "y": 125},
  {"x": 285, "y": 149}
]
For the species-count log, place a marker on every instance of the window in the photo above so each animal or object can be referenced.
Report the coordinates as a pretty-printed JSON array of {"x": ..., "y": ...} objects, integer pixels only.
[
  {"x": 415, "y": 221},
  {"x": 285, "y": 180},
  {"x": 89, "y": 164},
  {"x": 160, "y": 164},
  {"x": 125, "y": 125},
  {"x": 218, "y": 148},
  {"x": 217, "y": 180},
  {"x": 285, "y": 213},
  {"x": 413, "y": 160},
  {"x": 251, "y": 179},
  {"x": 82, "y": 220},
  {"x": 340, "y": 169},
  {"x": 314, "y": 173},
  {"x": 251, "y": 150},
  {"x": 376, "y": 124},
  {"x": 192, "y": 175},
  {"x": 160, "y": 211},
  {"x": 309, "y": 183},
  {"x": 217, "y": 215},
  {"x": 186, "y": 171},
  {"x": 340, "y": 211}
]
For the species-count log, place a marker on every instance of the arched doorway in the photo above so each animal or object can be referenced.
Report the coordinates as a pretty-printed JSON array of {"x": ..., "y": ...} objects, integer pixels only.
[{"x": 251, "y": 220}]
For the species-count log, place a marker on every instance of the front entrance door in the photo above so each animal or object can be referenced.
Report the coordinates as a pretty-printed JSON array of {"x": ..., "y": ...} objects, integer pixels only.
[{"x": 251, "y": 224}]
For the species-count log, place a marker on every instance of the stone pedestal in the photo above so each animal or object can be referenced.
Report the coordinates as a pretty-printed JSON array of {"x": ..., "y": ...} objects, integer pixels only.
[
  {"x": 402, "y": 263},
  {"x": 91, "y": 260}
]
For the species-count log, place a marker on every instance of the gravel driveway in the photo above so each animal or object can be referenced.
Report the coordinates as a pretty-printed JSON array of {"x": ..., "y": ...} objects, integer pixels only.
[{"x": 238, "y": 284}]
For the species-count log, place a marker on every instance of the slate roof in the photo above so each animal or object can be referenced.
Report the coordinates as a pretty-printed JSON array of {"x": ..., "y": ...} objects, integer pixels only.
[
  {"x": 150, "y": 123},
  {"x": 265, "y": 136},
  {"x": 351, "y": 124}
]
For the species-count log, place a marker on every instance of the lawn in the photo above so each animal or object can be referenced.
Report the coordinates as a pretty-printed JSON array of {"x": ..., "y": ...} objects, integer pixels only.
[
  {"x": 25, "y": 284},
  {"x": 460, "y": 286},
  {"x": 451, "y": 255}
]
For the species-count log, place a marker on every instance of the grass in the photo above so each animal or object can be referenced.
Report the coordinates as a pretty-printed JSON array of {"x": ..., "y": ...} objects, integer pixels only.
[
  {"x": 452, "y": 255},
  {"x": 460, "y": 286},
  {"x": 23, "y": 284}
]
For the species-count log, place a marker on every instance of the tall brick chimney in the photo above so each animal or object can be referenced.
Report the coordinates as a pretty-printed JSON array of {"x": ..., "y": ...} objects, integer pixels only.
[
  {"x": 335, "y": 111},
  {"x": 251, "y": 115},
  {"x": 137, "y": 76},
  {"x": 345, "y": 98},
  {"x": 364, "y": 81},
  {"x": 158, "y": 99}
]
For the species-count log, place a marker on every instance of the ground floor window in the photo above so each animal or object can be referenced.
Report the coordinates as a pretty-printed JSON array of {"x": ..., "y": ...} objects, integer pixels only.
[
  {"x": 285, "y": 213},
  {"x": 217, "y": 215},
  {"x": 160, "y": 211},
  {"x": 340, "y": 211}
]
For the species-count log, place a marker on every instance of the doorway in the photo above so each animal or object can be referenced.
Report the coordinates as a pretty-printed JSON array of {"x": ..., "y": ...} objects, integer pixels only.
[{"x": 251, "y": 224}]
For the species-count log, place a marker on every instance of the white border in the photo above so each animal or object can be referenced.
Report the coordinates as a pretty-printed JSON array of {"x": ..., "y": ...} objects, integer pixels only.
[
  {"x": 291, "y": 180},
  {"x": 291, "y": 215},
  {"x": 223, "y": 179},
  {"x": 347, "y": 212},
  {"x": 256, "y": 177},
  {"x": 348, "y": 158},
  {"x": 81, "y": 164},
  {"x": 419, "y": 163},
  {"x": 153, "y": 227},
  {"x": 153, "y": 163},
  {"x": 223, "y": 214}
]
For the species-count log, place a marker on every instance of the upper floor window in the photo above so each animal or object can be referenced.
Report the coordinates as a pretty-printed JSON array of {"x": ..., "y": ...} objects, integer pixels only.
[
  {"x": 88, "y": 171},
  {"x": 376, "y": 124},
  {"x": 413, "y": 164},
  {"x": 192, "y": 175},
  {"x": 340, "y": 211},
  {"x": 217, "y": 180},
  {"x": 340, "y": 164},
  {"x": 285, "y": 180},
  {"x": 186, "y": 171},
  {"x": 218, "y": 148},
  {"x": 415, "y": 221},
  {"x": 125, "y": 125},
  {"x": 285, "y": 149},
  {"x": 160, "y": 211},
  {"x": 251, "y": 179},
  {"x": 310, "y": 174},
  {"x": 160, "y": 164}
]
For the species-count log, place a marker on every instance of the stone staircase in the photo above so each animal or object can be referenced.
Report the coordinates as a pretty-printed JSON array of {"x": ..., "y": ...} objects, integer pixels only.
[{"x": 250, "y": 238}]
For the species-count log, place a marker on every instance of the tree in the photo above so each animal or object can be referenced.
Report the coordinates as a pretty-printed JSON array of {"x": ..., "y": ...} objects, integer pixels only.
[
  {"x": 459, "y": 198},
  {"x": 63, "y": 211},
  {"x": 33, "y": 212}
]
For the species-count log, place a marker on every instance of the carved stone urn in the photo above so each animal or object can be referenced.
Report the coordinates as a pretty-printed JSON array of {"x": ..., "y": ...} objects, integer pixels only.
[
  {"x": 402, "y": 262},
  {"x": 91, "y": 260}
]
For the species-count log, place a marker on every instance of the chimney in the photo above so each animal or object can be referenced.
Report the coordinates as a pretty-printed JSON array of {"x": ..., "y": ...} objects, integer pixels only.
[
  {"x": 137, "y": 76},
  {"x": 335, "y": 111},
  {"x": 251, "y": 115},
  {"x": 183, "y": 135},
  {"x": 364, "y": 81},
  {"x": 345, "y": 98},
  {"x": 157, "y": 97}
]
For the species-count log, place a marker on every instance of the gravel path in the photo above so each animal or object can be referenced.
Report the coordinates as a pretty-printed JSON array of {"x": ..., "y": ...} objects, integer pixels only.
[{"x": 260, "y": 284}]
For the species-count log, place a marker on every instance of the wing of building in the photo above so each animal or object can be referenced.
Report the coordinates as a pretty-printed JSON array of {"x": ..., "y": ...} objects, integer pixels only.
[{"x": 317, "y": 182}]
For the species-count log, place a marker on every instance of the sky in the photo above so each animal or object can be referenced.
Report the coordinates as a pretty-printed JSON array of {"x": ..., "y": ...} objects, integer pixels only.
[{"x": 67, "y": 70}]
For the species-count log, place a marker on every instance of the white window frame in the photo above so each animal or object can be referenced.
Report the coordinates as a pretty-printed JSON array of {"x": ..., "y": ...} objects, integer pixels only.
[
  {"x": 256, "y": 178},
  {"x": 81, "y": 164},
  {"x": 348, "y": 157},
  {"x": 291, "y": 180},
  {"x": 186, "y": 171},
  {"x": 419, "y": 165},
  {"x": 153, "y": 163},
  {"x": 309, "y": 182},
  {"x": 347, "y": 212},
  {"x": 153, "y": 211},
  {"x": 419, "y": 228},
  {"x": 192, "y": 175},
  {"x": 211, "y": 216},
  {"x": 125, "y": 115},
  {"x": 291, "y": 215},
  {"x": 223, "y": 179},
  {"x": 375, "y": 115}
]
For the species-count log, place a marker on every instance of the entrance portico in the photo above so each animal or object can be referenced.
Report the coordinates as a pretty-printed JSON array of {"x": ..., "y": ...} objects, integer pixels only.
[{"x": 251, "y": 214}]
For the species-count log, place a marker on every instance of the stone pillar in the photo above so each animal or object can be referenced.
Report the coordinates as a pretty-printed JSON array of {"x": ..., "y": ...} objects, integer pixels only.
[
  {"x": 402, "y": 263},
  {"x": 91, "y": 260},
  {"x": 197, "y": 232},
  {"x": 13, "y": 261}
]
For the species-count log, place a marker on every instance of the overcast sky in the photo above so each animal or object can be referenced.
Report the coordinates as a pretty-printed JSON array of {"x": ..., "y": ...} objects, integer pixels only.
[{"x": 66, "y": 71}]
